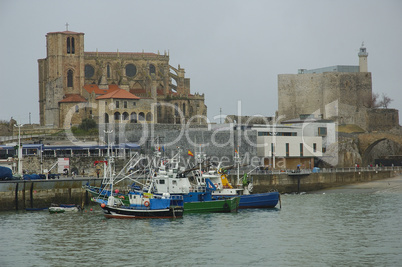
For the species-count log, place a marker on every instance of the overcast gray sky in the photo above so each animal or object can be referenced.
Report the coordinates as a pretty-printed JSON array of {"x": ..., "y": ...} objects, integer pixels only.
[{"x": 231, "y": 50}]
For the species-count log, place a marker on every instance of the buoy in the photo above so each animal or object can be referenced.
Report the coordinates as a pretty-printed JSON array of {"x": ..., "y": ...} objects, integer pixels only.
[
  {"x": 91, "y": 209},
  {"x": 103, "y": 205},
  {"x": 116, "y": 191}
]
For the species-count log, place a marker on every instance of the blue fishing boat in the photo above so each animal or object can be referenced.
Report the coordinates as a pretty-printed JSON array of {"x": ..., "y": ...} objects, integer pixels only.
[
  {"x": 224, "y": 189},
  {"x": 170, "y": 178},
  {"x": 136, "y": 204}
]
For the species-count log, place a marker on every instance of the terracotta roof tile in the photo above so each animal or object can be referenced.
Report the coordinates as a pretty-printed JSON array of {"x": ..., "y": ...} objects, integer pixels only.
[
  {"x": 95, "y": 88},
  {"x": 138, "y": 91},
  {"x": 73, "y": 98},
  {"x": 118, "y": 94}
]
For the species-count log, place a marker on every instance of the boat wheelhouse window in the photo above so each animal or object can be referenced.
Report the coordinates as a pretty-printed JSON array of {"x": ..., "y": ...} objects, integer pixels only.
[{"x": 161, "y": 181}]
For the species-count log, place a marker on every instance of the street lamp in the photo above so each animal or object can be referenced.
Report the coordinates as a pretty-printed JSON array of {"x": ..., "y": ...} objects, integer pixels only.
[{"x": 19, "y": 148}]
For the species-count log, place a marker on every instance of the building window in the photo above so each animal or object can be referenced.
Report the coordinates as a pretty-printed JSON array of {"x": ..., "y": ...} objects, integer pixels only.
[
  {"x": 131, "y": 70},
  {"x": 125, "y": 104},
  {"x": 322, "y": 131},
  {"x": 89, "y": 71},
  {"x": 70, "y": 45},
  {"x": 324, "y": 149},
  {"x": 272, "y": 149},
  {"x": 176, "y": 110},
  {"x": 134, "y": 104},
  {"x": 141, "y": 116},
  {"x": 314, "y": 147},
  {"x": 117, "y": 104},
  {"x": 117, "y": 116},
  {"x": 287, "y": 149},
  {"x": 184, "y": 109},
  {"x": 125, "y": 116},
  {"x": 301, "y": 149},
  {"x": 76, "y": 109},
  {"x": 106, "y": 118},
  {"x": 151, "y": 69},
  {"x": 108, "y": 70},
  {"x": 133, "y": 117},
  {"x": 69, "y": 78},
  {"x": 149, "y": 116}
]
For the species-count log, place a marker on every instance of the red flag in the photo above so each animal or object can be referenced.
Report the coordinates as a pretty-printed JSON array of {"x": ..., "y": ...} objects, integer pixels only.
[{"x": 190, "y": 153}]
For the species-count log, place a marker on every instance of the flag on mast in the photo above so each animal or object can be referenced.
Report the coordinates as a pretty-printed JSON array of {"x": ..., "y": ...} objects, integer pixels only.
[{"x": 190, "y": 153}]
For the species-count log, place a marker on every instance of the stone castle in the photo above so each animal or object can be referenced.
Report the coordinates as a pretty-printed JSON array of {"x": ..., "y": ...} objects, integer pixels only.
[
  {"x": 111, "y": 87},
  {"x": 339, "y": 93}
]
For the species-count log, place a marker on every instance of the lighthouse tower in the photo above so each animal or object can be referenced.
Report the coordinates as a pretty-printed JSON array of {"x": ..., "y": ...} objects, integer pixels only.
[{"x": 363, "y": 59}]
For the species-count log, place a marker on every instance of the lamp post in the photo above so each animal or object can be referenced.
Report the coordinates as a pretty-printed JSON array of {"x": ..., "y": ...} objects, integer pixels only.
[{"x": 19, "y": 148}]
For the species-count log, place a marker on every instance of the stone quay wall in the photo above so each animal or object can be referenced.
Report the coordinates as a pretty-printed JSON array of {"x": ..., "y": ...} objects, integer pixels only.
[{"x": 19, "y": 195}]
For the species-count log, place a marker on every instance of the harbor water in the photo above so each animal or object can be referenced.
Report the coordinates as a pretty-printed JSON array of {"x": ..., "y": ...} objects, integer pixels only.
[{"x": 332, "y": 228}]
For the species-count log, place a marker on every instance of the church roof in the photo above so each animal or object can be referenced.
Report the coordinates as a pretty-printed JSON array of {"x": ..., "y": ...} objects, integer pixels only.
[
  {"x": 120, "y": 53},
  {"x": 118, "y": 94},
  {"x": 66, "y": 32},
  {"x": 95, "y": 88},
  {"x": 73, "y": 98}
]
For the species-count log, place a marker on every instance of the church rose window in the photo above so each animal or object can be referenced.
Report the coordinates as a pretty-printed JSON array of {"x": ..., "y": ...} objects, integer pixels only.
[
  {"x": 131, "y": 70},
  {"x": 89, "y": 71}
]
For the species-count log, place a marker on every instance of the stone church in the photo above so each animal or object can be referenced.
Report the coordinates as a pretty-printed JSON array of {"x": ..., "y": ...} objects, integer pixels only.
[{"x": 112, "y": 87}]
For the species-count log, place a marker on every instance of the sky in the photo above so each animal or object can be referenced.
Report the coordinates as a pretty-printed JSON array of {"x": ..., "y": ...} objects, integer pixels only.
[{"x": 232, "y": 51}]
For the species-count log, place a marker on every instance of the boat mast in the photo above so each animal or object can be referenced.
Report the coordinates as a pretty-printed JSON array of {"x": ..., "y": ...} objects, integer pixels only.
[{"x": 237, "y": 162}]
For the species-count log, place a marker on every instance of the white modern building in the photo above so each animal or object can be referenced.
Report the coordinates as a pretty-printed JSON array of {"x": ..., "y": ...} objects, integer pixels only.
[{"x": 295, "y": 143}]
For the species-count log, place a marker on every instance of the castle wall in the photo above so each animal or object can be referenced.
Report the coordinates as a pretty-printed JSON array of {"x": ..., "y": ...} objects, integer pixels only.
[
  {"x": 335, "y": 95},
  {"x": 382, "y": 119}
]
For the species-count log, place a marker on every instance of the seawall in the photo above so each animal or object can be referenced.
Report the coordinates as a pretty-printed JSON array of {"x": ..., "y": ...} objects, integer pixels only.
[
  {"x": 305, "y": 182},
  {"x": 19, "y": 195}
]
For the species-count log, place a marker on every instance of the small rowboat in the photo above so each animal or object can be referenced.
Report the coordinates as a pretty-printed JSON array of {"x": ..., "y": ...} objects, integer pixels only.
[{"x": 55, "y": 208}]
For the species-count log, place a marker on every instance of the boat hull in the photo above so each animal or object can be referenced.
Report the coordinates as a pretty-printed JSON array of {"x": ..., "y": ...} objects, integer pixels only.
[
  {"x": 130, "y": 213},
  {"x": 63, "y": 209},
  {"x": 220, "y": 206},
  {"x": 262, "y": 200}
]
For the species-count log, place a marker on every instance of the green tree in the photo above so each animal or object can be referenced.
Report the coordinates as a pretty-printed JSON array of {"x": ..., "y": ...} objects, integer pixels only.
[{"x": 87, "y": 124}]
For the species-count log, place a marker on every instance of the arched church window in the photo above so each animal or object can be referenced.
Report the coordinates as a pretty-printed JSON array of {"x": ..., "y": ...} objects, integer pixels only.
[
  {"x": 68, "y": 45},
  {"x": 72, "y": 45},
  {"x": 141, "y": 116},
  {"x": 69, "y": 78},
  {"x": 131, "y": 70},
  {"x": 108, "y": 70},
  {"x": 151, "y": 69},
  {"x": 117, "y": 116},
  {"x": 125, "y": 116},
  {"x": 133, "y": 117},
  {"x": 106, "y": 118}
]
